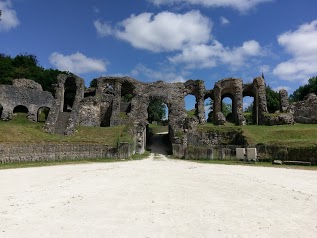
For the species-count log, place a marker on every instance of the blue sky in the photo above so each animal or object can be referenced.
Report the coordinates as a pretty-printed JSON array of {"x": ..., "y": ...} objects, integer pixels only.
[{"x": 170, "y": 40}]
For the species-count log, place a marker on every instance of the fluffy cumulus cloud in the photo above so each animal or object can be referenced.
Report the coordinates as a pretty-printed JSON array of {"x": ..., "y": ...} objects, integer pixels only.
[
  {"x": 167, "y": 74},
  {"x": 77, "y": 63},
  {"x": 241, "y": 5},
  {"x": 165, "y": 31},
  {"x": 211, "y": 55},
  {"x": 302, "y": 45},
  {"x": 9, "y": 17}
]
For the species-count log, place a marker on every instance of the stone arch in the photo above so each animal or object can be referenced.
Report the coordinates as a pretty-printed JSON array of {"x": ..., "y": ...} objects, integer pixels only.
[
  {"x": 20, "y": 108},
  {"x": 42, "y": 114},
  {"x": 197, "y": 89},
  {"x": 230, "y": 87},
  {"x": 127, "y": 94}
]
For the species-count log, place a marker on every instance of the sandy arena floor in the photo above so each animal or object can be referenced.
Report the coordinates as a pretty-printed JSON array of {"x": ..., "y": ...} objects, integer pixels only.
[{"x": 157, "y": 197}]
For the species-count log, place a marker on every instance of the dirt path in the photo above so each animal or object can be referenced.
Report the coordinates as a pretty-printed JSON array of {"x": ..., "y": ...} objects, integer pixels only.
[{"x": 157, "y": 197}]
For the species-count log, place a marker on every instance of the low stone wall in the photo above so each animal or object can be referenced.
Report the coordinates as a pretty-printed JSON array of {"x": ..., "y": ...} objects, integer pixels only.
[
  {"x": 51, "y": 152},
  {"x": 228, "y": 152}
]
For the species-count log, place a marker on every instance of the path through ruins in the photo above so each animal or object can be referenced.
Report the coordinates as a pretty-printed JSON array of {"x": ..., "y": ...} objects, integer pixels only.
[{"x": 157, "y": 197}]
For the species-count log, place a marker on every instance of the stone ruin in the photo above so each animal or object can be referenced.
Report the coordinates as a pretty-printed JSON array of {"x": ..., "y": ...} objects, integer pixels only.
[
  {"x": 25, "y": 95},
  {"x": 124, "y": 100}
]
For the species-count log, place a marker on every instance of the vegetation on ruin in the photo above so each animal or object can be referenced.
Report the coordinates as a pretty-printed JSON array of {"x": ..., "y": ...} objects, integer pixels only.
[
  {"x": 27, "y": 66},
  {"x": 20, "y": 130},
  {"x": 300, "y": 93}
]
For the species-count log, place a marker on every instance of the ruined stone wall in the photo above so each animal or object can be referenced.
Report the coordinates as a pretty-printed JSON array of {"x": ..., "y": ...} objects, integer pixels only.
[
  {"x": 57, "y": 107},
  {"x": 52, "y": 152},
  {"x": 31, "y": 97},
  {"x": 232, "y": 88},
  {"x": 305, "y": 111}
]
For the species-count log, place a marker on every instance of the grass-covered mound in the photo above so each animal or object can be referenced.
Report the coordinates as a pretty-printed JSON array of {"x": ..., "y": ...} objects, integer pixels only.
[
  {"x": 298, "y": 135},
  {"x": 20, "y": 130}
]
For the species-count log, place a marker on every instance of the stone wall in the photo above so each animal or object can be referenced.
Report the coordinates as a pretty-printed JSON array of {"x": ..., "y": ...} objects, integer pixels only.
[
  {"x": 50, "y": 152},
  {"x": 23, "y": 95},
  {"x": 305, "y": 111}
]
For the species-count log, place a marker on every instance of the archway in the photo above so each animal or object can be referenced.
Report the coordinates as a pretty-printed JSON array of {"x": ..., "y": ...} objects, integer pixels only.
[
  {"x": 228, "y": 108},
  {"x": 158, "y": 140},
  {"x": 42, "y": 114},
  {"x": 20, "y": 111},
  {"x": 127, "y": 94},
  {"x": 248, "y": 110},
  {"x": 209, "y": 104},
  {"x": 70, "y": 89},
  {"x": 191, "y": 105}
]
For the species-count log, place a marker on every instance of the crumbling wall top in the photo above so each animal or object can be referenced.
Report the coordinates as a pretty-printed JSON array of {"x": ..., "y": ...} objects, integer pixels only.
[{"x": 27, "y": 83}]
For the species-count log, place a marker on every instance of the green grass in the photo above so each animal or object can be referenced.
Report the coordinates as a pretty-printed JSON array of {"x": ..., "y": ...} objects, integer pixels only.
[
  {"x": 20, "y": 130},
  {"x": 298, "y": 135},
  {"x": 154, "y": 129}
]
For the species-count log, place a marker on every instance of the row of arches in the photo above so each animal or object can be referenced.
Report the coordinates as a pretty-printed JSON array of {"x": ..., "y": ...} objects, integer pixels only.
[
  {"x": 227, "y": 107},
  {"x": 42, "y": 112}
]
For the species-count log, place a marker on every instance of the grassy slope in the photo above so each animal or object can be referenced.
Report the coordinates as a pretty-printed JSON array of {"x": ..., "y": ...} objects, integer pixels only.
[
  {"x": 21, "y": 130},
  {"x": 292, "y": 135}
]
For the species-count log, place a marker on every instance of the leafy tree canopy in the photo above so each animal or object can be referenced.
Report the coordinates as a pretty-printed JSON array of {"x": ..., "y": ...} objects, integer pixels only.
[
  {"x": 300, "y": 93},
  {"x": 272, "y": 99},
  {"x": 26, "y": 66},
  {"x": 156, "y": 110}
]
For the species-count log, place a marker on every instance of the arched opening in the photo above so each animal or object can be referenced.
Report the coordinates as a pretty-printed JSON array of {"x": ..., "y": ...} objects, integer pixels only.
[
  {"x": 42, "y": 114},
  {"x": 127, "y": 93},
  {"x": 209, "y": 104},
  {"x": 158, "y": 129},
  {"x": 20, "y": 112},
  {"x": 69, "y": 94},
  {"x": 228, "y": 108},
  {"x": 248, "y": 110},
  {"x": 191, "y": 106}
]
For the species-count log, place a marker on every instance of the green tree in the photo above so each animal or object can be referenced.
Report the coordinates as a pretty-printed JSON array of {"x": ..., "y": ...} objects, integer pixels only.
[
  {"x": 226, "y": 109},
  {"x": 272, "y": 99},
  {"x": 156, "y": 110},
  {"x": 26, "y": 66},
  {"x": 300, "y": 93}
]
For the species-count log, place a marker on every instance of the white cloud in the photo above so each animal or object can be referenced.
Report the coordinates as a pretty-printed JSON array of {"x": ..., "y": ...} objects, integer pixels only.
[
  {"x": 241, "y": 5},
  {"x": 165, "y": 31},
  {"x": 224, "y": 21},
  {"x": 302, "y": 45},
  {"x": 166, "y": 74},
  {"x": 208, "y": 56},
  {"x": 103, "y": 29},
  {"x": 77, "y": 63},
  {"x": 9, "y": 17}
]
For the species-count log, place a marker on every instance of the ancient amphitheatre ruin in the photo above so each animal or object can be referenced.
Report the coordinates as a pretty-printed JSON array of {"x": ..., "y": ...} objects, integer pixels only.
[{"x": 103, "y": 106}]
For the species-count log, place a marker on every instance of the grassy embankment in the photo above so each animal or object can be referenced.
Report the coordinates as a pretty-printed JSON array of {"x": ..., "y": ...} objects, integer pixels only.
[
  {"x": 20, "y": 130},
  {"x": 298, "y": 135}
]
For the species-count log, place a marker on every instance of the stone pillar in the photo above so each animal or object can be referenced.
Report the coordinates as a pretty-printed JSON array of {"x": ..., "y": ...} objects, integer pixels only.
[
  {"x": 218, "y": 117},
  {"x": 115, "y": 120},
  {"x": 259, "y": 85},
  {"x": 201, "y": 108},
  {"x": 284, "y": 103}
]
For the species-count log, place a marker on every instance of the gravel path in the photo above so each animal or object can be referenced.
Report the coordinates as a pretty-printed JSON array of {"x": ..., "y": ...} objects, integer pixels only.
[{"x": 157, "y": 197}]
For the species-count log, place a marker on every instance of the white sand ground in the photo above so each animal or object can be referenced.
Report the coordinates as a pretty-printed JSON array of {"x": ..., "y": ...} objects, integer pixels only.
[{"x": 157, "y": 197}]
